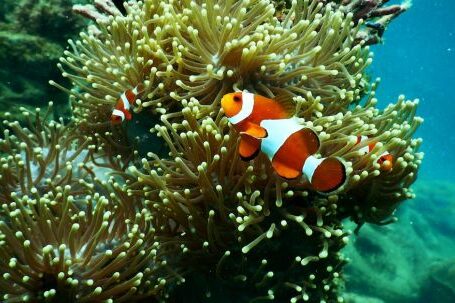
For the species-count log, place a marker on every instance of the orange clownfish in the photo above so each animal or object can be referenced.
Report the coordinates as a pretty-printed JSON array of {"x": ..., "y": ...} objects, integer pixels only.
[
  {"x": 122, "y": 108},
  {"x": 385, "y": 159},
  {"x": 265, "y": 125}
]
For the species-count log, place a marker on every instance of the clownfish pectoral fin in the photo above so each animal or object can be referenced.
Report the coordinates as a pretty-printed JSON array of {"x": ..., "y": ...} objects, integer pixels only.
[
  {"x": 329, "y": 175},
  {"x": 255, "y": 131},
  {"x": 249, "y": 147},
  {"x": 115, "y": 120},
  {"x": 285, "y": 171},
  {"x": 128, "y": 115}
]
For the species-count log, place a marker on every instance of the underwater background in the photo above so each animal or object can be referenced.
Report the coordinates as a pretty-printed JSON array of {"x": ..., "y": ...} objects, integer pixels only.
[
  {"x": 410, "y": 261},
  {"x": 417, "y": 59}
]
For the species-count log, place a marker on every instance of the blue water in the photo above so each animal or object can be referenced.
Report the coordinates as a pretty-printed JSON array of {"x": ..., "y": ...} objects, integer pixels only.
[{"x": 418, "y": 60}]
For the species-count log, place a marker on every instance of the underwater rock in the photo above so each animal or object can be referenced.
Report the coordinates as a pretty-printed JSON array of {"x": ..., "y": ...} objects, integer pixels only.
[
  {"x": 376, "y": 15},
  {"x": 422, "y": 236},
  {"x": 33, "y": 35},
  {"x": 355, "y": 298},
  {"x": 28, "y": 57},
  {"x": 440, "y": 282}
]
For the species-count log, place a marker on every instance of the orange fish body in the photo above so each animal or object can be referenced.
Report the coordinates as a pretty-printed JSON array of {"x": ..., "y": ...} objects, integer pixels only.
[
  {"x": 385, "y": 159},
  {"x": 121, "y": 111},
  {"x": 265, "y": 125}
]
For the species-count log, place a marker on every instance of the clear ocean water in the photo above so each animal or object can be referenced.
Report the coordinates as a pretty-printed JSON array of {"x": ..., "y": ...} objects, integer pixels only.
[
  {"x": 418, "y": 59},
  {"x": 415, "y": 259}
]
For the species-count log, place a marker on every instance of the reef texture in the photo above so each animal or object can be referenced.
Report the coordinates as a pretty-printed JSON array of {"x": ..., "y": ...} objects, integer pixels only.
[
  {"x": 420, "y": 244},
  {"x": 376, "y": 14},
  {"x": 195, "y": 223},
  {"x": 33, "y": 34}
]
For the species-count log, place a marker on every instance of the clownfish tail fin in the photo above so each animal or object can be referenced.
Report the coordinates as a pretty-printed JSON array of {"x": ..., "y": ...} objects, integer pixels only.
[{"x": 326, "y": 174}]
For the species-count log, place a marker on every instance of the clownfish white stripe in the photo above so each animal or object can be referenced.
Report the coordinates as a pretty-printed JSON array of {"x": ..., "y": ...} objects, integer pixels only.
[
  {"x": 383, "y": 154},
  {"x": 246, "y": 110},
  {"x": 309, "y": 167},
  {"x": 364, "y": 150},
  {"x": 278, "y": 131},
  {"x": 136, "y": 90},
  {"x": 118, "y": 113},
  {"x": 126, "y": 103}
]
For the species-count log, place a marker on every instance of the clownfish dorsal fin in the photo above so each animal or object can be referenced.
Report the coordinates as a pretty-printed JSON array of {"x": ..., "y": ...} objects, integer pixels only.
[
  {"x": 255, "y": 131},
  {"x": 286, "y": 102},
  {"x": 249, "y": 147}
]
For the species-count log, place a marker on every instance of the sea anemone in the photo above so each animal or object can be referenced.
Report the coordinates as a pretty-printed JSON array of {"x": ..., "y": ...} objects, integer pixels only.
[
  {"x": 236, "y": 223},
  {"x": 68, "y": 230},
  {"x": 76, "y": 248},
  {"x": 209, "y": 215},
  {"x": 42, "y": 155},
  {"x": 200, "y": 51}
]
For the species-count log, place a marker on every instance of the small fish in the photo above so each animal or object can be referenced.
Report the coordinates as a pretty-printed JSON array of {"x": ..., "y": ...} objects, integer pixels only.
[
  {"x": 385, "y": 159},
  {"x": 269, "y": 126},
  {"x": 121, "y": 111}
]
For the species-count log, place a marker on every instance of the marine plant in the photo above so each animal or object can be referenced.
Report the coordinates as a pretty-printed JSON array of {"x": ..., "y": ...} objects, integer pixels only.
[{"x": 213, "y": 226}]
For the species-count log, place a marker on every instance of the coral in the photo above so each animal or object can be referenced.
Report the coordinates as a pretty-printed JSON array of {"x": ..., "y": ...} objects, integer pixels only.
[
  {"x": 33, "y": 35},
  {"x": 99, "y": 12},
  {"x": 420, "y": 244},
  {"x": 204, "y": 221},
  {"x": 440, "y": 279},
  {"x": 193, "y": 63},
  {"x": 76, "y": 248},
  {"x": 51, "y": 19},
  {"x": 376, "y": 13}
]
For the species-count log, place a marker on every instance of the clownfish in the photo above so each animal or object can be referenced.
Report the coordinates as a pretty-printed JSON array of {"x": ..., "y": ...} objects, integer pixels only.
[
  {"x": 385, "y": 159},
  {"x": 122, "y": 108},
  {"x": 266, "y": 125}
]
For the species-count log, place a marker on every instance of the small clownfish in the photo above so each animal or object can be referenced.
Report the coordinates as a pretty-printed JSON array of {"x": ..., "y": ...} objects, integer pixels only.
[
  {"x": 268, "y": 126},
  {"x": 122, "y": 108},
  {"x": 385, "y": 159}
]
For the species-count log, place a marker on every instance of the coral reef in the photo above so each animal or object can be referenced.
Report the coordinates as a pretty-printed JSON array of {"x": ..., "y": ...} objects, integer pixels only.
[
  {"x": 33, "y": 35},
  {"x": 195, "y": 216},
  {"x": 420, "y": 244},
  {"x": 376, "y": 13},
  {"x": 441, "y": 280}
]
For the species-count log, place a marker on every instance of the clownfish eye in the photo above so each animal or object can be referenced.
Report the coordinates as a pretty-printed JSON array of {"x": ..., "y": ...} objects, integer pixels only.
[{"x": 237, "y": 98}]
